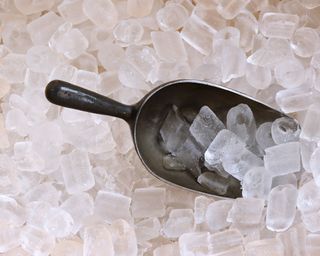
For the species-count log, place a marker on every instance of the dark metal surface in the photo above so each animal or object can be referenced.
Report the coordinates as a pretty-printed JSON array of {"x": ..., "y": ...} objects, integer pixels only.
[{"x": 145, "y": 117}]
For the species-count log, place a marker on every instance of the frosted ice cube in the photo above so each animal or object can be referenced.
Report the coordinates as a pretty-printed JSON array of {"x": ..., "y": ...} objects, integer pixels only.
[
  {"x": 289, "y": 73},
  {"x": 281, "y": 208},
  {"x": 11, "y": 212},
  {"x": 285, "y": 129},
  {"x": 264, "y": 136},
  {"x": 76, "y": 171},
  {"x": 16, "y": 121},
  {"x": 271, "y": 246},
  {"x": 216, "y": 215},
  {"x": 311, "y": 221},
  {"x": 256, "y": 183},
  {"x": 241, "y": 121},
  {"x": 180, "y": 221},
  {"x": 9, "y": 239},
  {"x": 71, "y": 11},
  {"x": 110, "y": 206},
  {"x": 167, "y": 249},
  {"x": 143, "y": 202},
  {"x": 86, "y": 79},
  {"x": 124, "y": 238},
  {"x": 290, "y": 178},
  {"x": 169, "y": 46},
  {"x": 312, "y": 244},
  {"x": 67, "y": 247},
  {"x": 311, "y": 123},
  {"x": 246, "y": 211},
  {"x": 128, "y": 31},
  {"x": 110, "y": 56},
  {"x": 230, "y": 9},
  {"x": 294, "y": 236},
  {"x": 283, "y": 159},
  {"x": 147, "y": 229},
  {"x": 101, "y": 12},
  {"x": 258, "y": 77},
  {"x": 97, "y": 240},
  {"x": 42, "y": 28},
  {"x": 86, "y": 62},
  {"x": 27, "y": 7},
  {"x": 305, "y": 42},
  {"x": 309, "y": 4},
  {"x": 130, "y": 77},
  {"x": 170, "y": 163},
  {"x": 247, "y": 23},
  {"x": 225, "y": 240},
  {"x": 194, "y": 243},
  {"x": 171, "y": 16},
  {"x": 278, "y": 25},
  {"x": 205, "y": 126},
  {"x": 308, "y": 197},
  {"x": 79, "y": 206},
  {"x": 139, "y": 8},
  {"x": 208, "y": 17},
  {"x": 58, "y": 222},
  {"x": 13, "y": 68},
  {"x": 36, "y": 241},
  {"x": 122, "y": 136},
  {"x": 201, "y": 204},
  {"x": 227, "y": 35},
  {"x": 314, "y": 165},
  {"x": 44, "y": 192},
  {"x": 63, "y": 72}
]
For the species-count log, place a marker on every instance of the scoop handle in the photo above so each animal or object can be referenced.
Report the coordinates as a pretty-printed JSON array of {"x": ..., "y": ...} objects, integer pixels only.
[{"x": 71, "y": 96}]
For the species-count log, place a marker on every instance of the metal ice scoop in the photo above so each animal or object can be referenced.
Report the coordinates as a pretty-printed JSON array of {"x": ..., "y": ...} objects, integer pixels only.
[{"x": 145, "y": 117}]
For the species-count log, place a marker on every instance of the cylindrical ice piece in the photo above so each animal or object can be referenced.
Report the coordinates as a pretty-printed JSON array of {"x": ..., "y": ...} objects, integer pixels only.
[
  {"x": 281, "y": 208},
  {"x": 305, "y": 42},
  {"x": 309, "y": 197},
  {"x": 315, "y": 165},
  {"x": 263, "y": 135},
  {"x": 172, "y": 17},
  {"x": 216, "y": 215},
  {"x": 258, "y": 77},
  {"x": 128, "y": 31},
  {"x": 285, "y": 130}
]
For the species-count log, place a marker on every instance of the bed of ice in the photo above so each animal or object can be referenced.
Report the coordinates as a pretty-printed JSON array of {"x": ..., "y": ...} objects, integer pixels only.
[{"x": 71, "y": 182}]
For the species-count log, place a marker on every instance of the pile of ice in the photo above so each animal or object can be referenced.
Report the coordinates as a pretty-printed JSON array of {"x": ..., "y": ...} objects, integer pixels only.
[
  {"x": 71, "y": 183},
  {"x": 215, "y": 153}
]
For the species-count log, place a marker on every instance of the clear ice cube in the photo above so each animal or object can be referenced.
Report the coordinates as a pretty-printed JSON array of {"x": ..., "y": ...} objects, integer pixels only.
[
  {"x": 216, "y": 215},
  {"x": 285, "y": 129},
  {"x": 180, "y": 221}
]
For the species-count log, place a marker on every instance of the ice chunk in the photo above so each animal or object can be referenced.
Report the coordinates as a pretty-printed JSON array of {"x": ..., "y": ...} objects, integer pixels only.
[
  {"x": 283, "y": 159},
  {"x": 208, "y": 17},
  {"x": 172, "y": 17},
  {"x": 311, "y": 123},
  {"x": 289, "y": 73},
  {"x": 258, "y": 77},
  {"x": 216, "y": 215},
  {"x": 97, "y": 240},
  {"x": 32, "y": 7},
  {"x": 281, "y": 208},
  {"x": 290, "y": 178},
  {"x": 278, "y": 25},
  {"x": 308, "y": 197},
  {"x": 225, "y": 240},
  {"x": 101, "y": 12},
  {"x": 171, "y": 163},
  {"x": 13, "y": 68},
  {"x": 69, "y": 41},
  {"x": 312, "y": 244},
  {"x": 197, "y": 36},
  {"x": 71, "y": 11},
  {"x": 86, "y": 62},
  {"x": 121, "y": 134},
  {"x": 68, "y": 247},
  {"x": 246, "y": 211},
  {"x": 168, "y": 250},
  {"x": 110, "y": 56},
  {"x": 305, "y": 42},
  {"x": 36, "y": 241},
  {"x": 256, "y": 183},
  {"x": 128, "y": 31},
  {"x": 76, "y": 171},
  {"x": 147, "y": 229},
  {"x": 124, "y": 238},
  {"x": 206, "y": 126},
  {"x": 109, "y": 83},
  {"x": 79, "y": 206},
  {"x": 11, "y": 212},
  {"x": 315, "y": 166},
  {"x": 130, "y": 77},
  {"x": 169, "y": 46},
  {"x": 294, "y": 100},
  {"x": 227, "y": 35},
  {"x": 42, "y": 28},
  {"x": 272, "y": 246},
  {"x": 230, "y": 9},
  {"x": 240, "y": 120},
  {"x": 309, "y": 4},
  {"x": 194, "y": 243},
  {"x": 180, "y": 221},
  {"x": 139, "y": 8},
  {"x": 58, "y": 222},
  {"x": 9, "y": 176},
  {"x": 264, "y": 136},
  {"x": 311, "y": 221},
  {"x": 63, "y": 72},
  {"x": 86, "y": 79},
  {"x": 293, "y": 240},
  {"x": 201, "y": 204},
  {"x": 16, "y": 121},
  {"x": 247, "y": 23},
  {"x": 224, "y": 142},
  {"x": 8, "y": 238},
  {"x": 110, "y": 206},
  {"x": 285, "y": 129},
  {"x": 172, "y": 126},
  {"x": 143, "y": 202},
  {"x": 44, "y": 192}
]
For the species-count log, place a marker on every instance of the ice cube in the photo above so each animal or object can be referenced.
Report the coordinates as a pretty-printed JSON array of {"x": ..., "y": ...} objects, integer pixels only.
[
  {"x": 227, "y": 35},
  {"x": 281, "y": 208},
  {"x": 110, "y": 206},
  {"x": 230, "y": 9},
  {"x": 101, "y": 12},
  {"x": 225, "y": 240},
  {"x": 16, "y": 121},
  {"x": 169, "y": 46},
  {"x": 311, "y": 221},
  {"x": 76, "y": 171},
  {"x": 44, "y": 192},
  {"x": 241, "y": 121},
  {"x": 271, "y": 246},
  {"x": 122, "y": 136},
  {"x": 28, "y": 8},
  {"x": 264, "y": 136},
  {"x": 283, "y": 159},
  {"x": 8, "y": 239},
  {"x": 170, "y": 163},
  {"x": 308, "y": 197},
  {"x": 208, "y": 17},
  {"x": 13, "y": 68},
  {"x": 248, "y": 26},
  {"x": 147, "y": 229},
  {"x": 256, "y": 183},
  {"x": 143, "y": 202},
  {"x": 11, "y": 212},
  {"x": 128, "y": 31},
  {"x": 130, "y": 77},
  {"x": 180, "y": 221},
  {"x": 167, "y": 249},
  {"x": 201, "y": 204},
  {"x": 86, "y": 62},
  {"x": 71, "y": 11},
  {"x": 172, "y": 17},
  {"x": 285, "y": 129},
  {"x": 194, "y": 243},
  {"x": 278, "y": 25},
  {"x": 258, "y": 77},
  {"x": 205, "y": 126},
  {"x": 63, "y": 72},
  {"x": 110, "y": 56},
  {"x": 246, "y": 211},
  {"x": 312, "y": 244},
  {"x": 290, "y": 178},
  {"x": 216, "y": 215},
  {"x": 97, "y": 240},
  {"x": 311, "y": 123},
  {"x": 58, "y": 222},
  {"x": 305, "y": 42},
  {"x": 139, "y": 8},
  {"x": 67, "y": 247}
]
